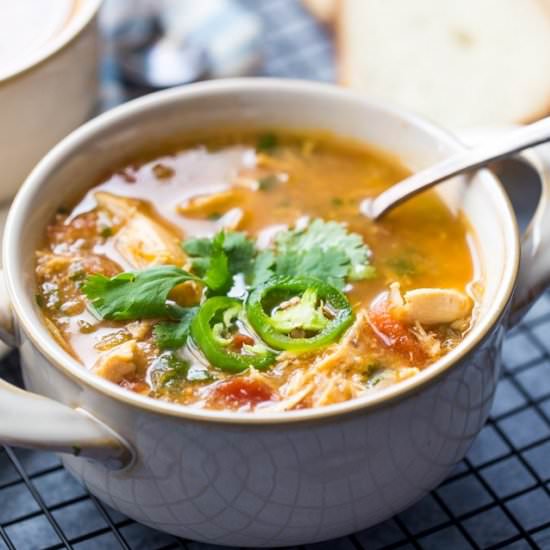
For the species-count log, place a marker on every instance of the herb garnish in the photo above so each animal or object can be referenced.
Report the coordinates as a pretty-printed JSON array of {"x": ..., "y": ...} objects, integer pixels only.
[
  {"x": 173, "y": 335},
  {"x": 134, "y": 294}
]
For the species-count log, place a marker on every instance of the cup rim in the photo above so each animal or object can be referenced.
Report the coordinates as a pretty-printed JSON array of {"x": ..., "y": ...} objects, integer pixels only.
[
  {"x": 60, "y": 359},
  {"x": 85, "y": 14}
]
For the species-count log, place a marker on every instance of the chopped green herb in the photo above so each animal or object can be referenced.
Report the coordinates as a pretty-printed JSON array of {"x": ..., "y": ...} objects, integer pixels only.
[
  {"x": 173, "y": 335},
  {"x": 267, "y": 183},
  {"x": 106, "y": 232},
  {"x": 402, "y": 266},
  {"x": 63, "y": 210},
  {"x": 214, "y": 216},
  {"x": 39, "y": 300},
  {"x": 168, "y": 370},
  {"x": 336, "y": 201},
  {"x": 267, "y": 142}
]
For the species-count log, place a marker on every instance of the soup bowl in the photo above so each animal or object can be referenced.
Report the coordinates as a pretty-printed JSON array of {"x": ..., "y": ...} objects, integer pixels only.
[{"x": 278, "y": 478}]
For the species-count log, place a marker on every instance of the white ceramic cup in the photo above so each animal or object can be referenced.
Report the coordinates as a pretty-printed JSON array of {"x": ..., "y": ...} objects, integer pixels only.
[
  {"x": 49, "y": 94},
  {"x": 273, "y": 478}
]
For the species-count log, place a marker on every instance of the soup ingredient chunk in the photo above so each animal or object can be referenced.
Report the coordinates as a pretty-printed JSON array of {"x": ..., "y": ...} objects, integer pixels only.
[
  {"x": 220, "y": 332},
  {"x": 431, "y": 306},
  {"x": 298, "y": 313}
]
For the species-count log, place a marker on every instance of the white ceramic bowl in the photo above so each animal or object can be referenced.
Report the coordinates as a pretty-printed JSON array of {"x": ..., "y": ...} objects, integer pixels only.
[
  {"x": 51, "y": 93},
  {"x": 261, "y": 479}
]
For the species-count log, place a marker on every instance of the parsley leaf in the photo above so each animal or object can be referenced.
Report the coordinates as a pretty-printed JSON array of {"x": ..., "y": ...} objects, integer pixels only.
[
  {"x": 134, "y": 294},
  {"x": 171, "y": 335}
]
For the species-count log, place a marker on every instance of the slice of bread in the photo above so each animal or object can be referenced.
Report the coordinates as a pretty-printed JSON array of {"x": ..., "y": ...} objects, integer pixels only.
[
  {"x": 323, "y": 10},
  {"x": 459, "y": 62}
]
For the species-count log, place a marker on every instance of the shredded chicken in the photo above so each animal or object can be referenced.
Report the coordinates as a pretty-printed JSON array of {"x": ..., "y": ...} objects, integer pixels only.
[
  {"x": 119, "y": 362},
  {"x": 429, "y": 342},
  {"x": 328, "y": 379}
]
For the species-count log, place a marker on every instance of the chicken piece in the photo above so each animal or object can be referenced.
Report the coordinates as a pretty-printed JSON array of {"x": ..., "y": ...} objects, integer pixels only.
[
  {"x": 142, "y": 241},
  {"x": 119, "y": 362},
  {"x": 186, "y": 294},
  {"x": 430, "y": 306}
]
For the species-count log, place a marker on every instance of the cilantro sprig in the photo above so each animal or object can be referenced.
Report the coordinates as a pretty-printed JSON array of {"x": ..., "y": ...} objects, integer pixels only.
[{"x": 324, "y": 250}]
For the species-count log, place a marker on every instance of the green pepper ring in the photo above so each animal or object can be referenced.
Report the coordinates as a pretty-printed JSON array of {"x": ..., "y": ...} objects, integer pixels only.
[
  {"x": 261, "y": 321},
  {"x": 229, "y": 361}
]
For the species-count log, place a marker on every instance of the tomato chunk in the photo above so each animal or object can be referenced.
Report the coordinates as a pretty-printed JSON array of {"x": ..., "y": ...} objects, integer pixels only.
[
  {"x": 239, "y": 340},
  {"x": 394, "y": 333},
  {"x": 240, "y": 392}
]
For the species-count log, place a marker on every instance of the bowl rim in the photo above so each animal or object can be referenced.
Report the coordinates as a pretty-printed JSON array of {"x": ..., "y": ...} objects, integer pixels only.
[
  {"x": 27, "y": 317},
  {"x": 85, "y": 13}
]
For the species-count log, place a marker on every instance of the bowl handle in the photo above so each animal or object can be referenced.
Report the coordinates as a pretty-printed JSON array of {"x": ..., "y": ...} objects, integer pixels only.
[
  {"x": 534, "y": 274},
  {"x": 37, "y": 422}
]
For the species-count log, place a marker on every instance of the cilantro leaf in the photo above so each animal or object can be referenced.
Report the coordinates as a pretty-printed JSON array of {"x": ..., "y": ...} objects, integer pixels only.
[
  {"x": 329, "y": 265},
  {"x": 324, "y": 250},
  {"x": 217, "y": 276},
  {"x": 172, "y": 335},
  {"x": 207, "y": 256},
  {"x": 240, "y": 251},
  {"x": 134, "y": 294},
  {"x": 262, "y": 268}
]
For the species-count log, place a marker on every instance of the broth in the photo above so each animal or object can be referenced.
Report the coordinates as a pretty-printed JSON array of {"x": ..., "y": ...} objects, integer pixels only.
[{"x": 262, "y": 185}]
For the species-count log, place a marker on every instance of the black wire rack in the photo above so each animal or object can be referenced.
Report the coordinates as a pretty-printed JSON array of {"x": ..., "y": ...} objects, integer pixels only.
[{"x": 498, "y": 497}]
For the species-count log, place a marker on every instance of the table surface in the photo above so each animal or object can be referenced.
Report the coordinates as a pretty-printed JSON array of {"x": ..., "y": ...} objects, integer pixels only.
[{"x": 498, "y": 497}]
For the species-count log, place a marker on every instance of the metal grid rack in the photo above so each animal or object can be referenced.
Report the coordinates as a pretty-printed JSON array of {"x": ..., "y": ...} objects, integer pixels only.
[{"x": 498, "y": 497}]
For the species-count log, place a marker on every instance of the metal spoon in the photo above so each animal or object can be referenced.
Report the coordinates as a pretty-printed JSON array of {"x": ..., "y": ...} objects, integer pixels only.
[{"x": 481, "y": 155}]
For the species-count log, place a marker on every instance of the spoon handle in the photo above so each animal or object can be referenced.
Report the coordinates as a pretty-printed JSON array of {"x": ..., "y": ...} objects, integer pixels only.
[{"x": 481, "y": 155}]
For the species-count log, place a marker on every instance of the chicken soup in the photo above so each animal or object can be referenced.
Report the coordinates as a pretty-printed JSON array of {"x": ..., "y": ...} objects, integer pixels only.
[{"x": 237, "y": 273}]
